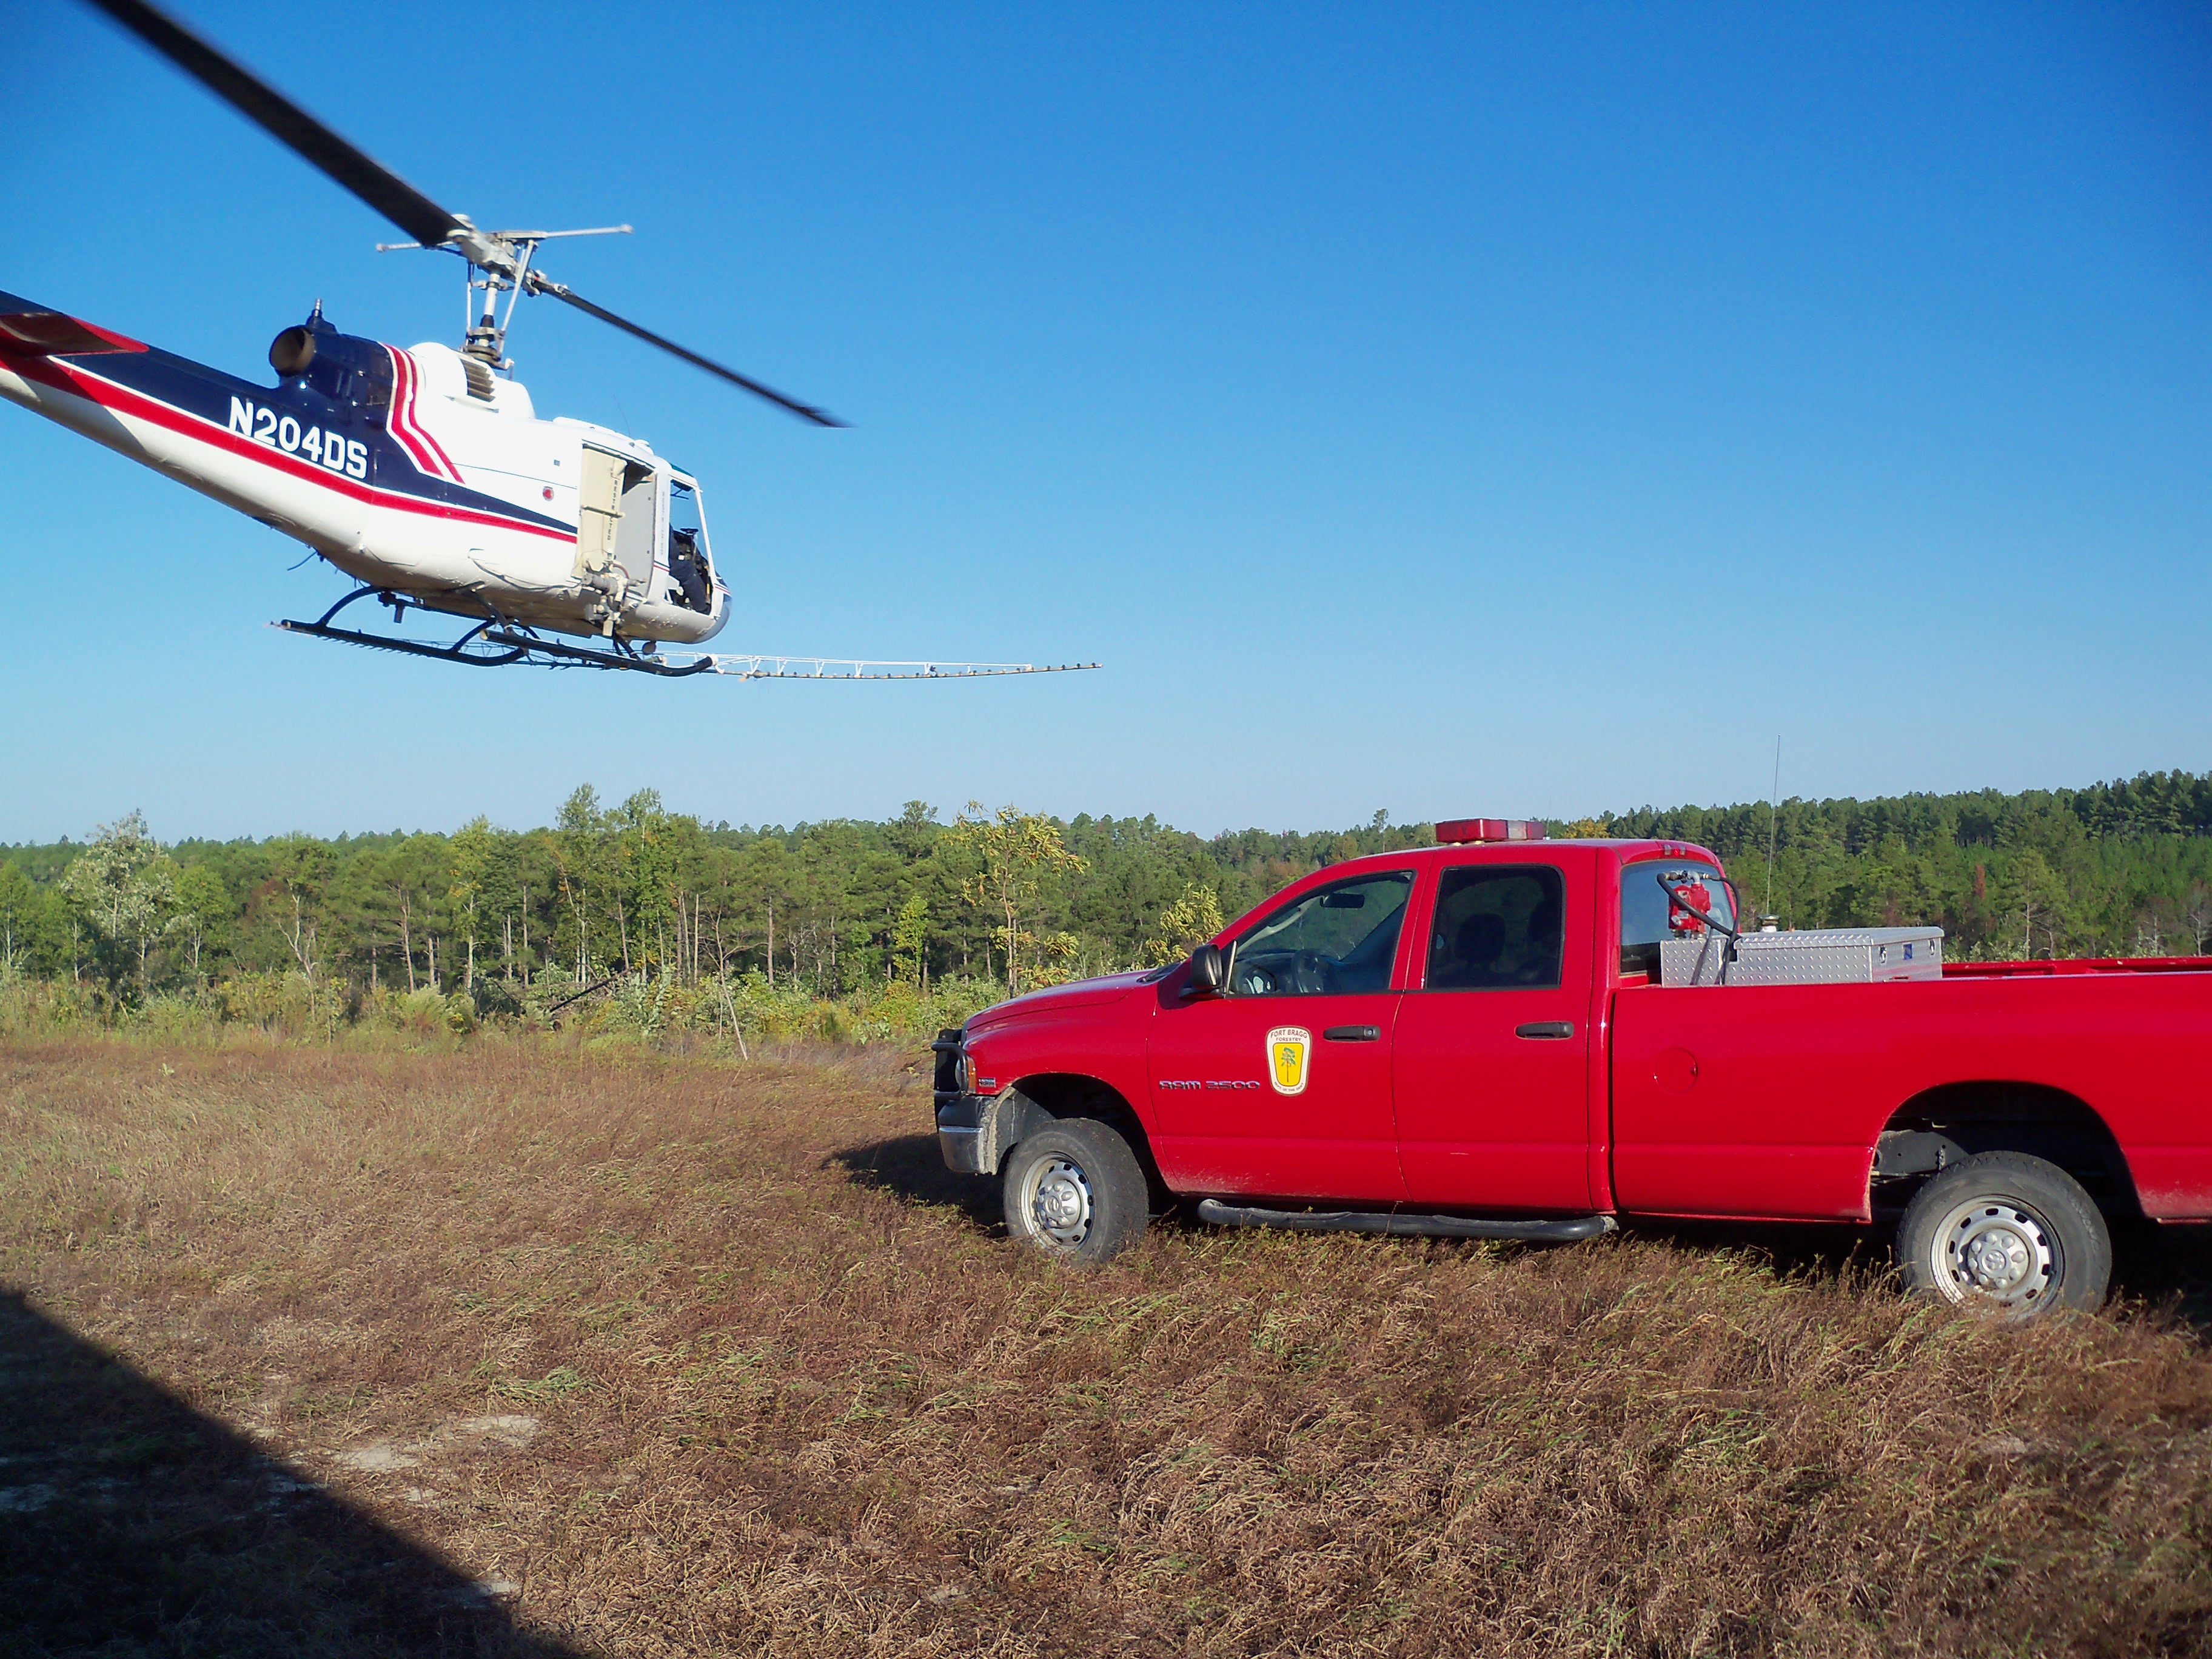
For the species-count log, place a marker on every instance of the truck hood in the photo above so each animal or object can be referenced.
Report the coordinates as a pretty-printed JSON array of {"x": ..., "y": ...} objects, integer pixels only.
[{"x": 1081, "y": 994}]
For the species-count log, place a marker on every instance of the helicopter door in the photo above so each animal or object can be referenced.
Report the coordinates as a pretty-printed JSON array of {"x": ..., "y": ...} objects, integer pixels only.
[
  {"x": 615, "y": 519},
  {"x": 598, "y": 510}
]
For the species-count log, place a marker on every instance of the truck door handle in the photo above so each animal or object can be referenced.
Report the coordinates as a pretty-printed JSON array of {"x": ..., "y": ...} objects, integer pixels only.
[
  {"x": 1546, "y": 1028},
  {"x": 1352, "y": 1033}
]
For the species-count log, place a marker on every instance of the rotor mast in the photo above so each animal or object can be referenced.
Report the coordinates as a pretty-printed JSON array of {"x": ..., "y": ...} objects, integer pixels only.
[{"x": 502, "y": 257}]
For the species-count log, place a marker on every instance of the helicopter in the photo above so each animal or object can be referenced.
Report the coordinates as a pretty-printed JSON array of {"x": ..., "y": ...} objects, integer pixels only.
[{"x": 425, "y": 473}]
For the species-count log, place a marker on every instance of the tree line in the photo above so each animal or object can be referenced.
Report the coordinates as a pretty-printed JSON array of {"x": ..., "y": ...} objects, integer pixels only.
[{"x": 635, "y": 891}]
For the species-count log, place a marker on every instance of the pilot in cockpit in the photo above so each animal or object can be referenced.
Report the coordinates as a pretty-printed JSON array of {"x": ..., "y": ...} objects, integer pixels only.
[{"x": 689, "y": 570}]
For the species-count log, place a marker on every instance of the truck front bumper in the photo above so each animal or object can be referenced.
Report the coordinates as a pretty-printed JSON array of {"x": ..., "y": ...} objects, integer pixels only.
[{"x": 960, "y": 1132}]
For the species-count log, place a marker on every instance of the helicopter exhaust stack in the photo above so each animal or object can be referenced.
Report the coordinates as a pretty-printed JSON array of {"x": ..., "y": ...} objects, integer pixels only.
[{"x": 290, "y": 352}]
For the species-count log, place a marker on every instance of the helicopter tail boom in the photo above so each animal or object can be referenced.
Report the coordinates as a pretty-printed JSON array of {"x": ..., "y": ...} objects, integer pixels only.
[{"x": 246, "y": 445}]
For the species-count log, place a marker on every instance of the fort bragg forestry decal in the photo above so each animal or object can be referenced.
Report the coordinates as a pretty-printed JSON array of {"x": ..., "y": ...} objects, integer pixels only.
[{"x": 1288, "y": 1047}]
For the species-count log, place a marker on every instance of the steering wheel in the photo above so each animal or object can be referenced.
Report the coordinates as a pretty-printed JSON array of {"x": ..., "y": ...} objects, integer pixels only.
[{"x": 1311, "y": 973}]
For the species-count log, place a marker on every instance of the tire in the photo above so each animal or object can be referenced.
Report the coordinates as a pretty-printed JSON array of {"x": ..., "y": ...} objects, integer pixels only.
[
  {"x": 2008, "y": 1232},
  {"x": 1075, "y": 1192}
]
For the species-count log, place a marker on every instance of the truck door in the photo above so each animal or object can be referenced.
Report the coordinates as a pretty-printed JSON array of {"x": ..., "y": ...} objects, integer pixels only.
[
  {"x": 1490, "y": 1066},
  {"x": 1281, "y": 1086}
]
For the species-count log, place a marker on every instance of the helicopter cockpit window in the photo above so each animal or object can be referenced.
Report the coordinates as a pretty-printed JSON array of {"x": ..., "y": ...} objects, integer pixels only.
[{"x": 689, "y": 568}]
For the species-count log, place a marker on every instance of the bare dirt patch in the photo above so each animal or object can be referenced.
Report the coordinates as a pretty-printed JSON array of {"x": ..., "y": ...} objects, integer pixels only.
[{"x": 522, "y": 1349}]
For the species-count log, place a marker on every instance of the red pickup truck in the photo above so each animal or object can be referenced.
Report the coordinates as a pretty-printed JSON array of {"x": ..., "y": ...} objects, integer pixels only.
[{"x": 1476, "y": 1040}]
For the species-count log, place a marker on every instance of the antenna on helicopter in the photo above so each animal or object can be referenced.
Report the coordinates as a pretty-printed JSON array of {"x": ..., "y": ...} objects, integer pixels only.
[{"x": 503, "y": 257}]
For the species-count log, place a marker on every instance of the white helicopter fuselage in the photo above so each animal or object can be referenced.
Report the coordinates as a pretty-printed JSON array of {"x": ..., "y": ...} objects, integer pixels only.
[{"x": 418, "y": 472}]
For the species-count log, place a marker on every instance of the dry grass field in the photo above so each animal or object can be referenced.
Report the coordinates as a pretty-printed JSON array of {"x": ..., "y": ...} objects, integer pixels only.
[{"x": 519, "y": 1349}]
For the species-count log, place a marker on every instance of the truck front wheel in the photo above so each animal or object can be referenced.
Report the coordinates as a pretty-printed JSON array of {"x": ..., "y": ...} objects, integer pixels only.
[
  {"x": 1075, "y": 1191},
  {"x": 2006, "y": 1231}
]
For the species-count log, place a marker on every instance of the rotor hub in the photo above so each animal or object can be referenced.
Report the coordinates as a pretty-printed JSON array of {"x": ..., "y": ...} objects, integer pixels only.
[{"x": 503, "y": 256}]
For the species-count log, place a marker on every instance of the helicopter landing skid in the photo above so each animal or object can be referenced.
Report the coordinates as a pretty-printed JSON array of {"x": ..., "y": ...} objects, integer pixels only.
[
  {"x": 496, "y": 644},
  {"x": 469, "y": 648},
  {"x": 457, "y": 652}
]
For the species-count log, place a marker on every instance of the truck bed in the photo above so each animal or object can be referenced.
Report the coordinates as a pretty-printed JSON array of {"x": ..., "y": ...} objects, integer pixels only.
[{"x": 1769, "y": 1100}]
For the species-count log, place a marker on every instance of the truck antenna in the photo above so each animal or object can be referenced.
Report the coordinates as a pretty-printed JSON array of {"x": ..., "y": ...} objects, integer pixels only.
[{"x": 1773, "y": 811}]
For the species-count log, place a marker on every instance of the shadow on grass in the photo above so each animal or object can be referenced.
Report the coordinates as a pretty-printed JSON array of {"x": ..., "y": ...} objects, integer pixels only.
[
  {"x": 912, "y": 1168},
  {"x": 2167, "y": 1269},
  {"x": 136, "y": 1526},
  {"x": 1818, "y": 1254},
  {"x": 2161, "y": 1270}
]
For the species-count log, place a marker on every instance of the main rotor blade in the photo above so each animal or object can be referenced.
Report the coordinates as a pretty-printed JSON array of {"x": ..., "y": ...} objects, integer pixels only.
[
  {"x": 543, "y": 284},
  {"x": 378, "y": 185}
]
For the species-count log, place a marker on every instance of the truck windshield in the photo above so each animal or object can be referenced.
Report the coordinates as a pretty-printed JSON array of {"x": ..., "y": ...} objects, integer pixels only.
[
  {"x": 1644, "y": 909},
  {"x": 1335, "y": 940}
]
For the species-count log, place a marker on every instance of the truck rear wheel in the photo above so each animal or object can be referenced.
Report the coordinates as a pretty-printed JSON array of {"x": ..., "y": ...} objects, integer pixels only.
[
  {"x": 2006, "y": 1231},
  {"x": 1075, "y": 1191}
]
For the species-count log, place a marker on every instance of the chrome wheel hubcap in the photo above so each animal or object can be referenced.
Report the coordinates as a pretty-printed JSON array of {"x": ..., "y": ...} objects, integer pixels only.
[
  {"x": 1997, "y": 1250},
  {"x": 1060, "y": 1202}
]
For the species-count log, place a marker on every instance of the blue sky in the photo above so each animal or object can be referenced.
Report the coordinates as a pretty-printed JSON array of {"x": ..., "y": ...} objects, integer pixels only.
[{"x": 1445, "y": 410}]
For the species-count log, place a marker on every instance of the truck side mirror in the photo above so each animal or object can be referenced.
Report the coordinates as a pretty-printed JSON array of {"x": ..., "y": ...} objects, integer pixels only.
[{"x": 1208, "y": 972}]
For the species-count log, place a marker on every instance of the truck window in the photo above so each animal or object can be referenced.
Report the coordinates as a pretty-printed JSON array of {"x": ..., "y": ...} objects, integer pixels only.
[
  {"x": 1334, "y": 941},
  {"x": 1644, "y": 909},
  {"x": 1497, "y": 926}
]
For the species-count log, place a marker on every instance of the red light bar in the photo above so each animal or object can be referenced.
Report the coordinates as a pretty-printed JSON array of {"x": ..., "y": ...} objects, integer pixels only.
[{"x": 1453, "y": 831}]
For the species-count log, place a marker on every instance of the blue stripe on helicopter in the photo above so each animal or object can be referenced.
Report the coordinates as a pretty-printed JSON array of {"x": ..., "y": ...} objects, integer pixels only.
[{"x": 237, "y": 407}]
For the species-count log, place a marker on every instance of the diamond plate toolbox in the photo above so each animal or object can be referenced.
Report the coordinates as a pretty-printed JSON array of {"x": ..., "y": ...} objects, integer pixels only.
[{"x": 1830, "y": 956}]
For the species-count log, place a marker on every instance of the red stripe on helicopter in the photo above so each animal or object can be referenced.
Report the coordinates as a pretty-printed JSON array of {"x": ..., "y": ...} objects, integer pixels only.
[
  {"x": 421, "y": 448},
  {"x": 42, "y": 333},
  {"x": 97, "y": 389},
  {"x": 402, "y": 430}
]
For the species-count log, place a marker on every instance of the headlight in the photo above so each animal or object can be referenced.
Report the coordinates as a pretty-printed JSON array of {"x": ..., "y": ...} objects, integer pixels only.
[{"x": 967, "y": 1072}]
